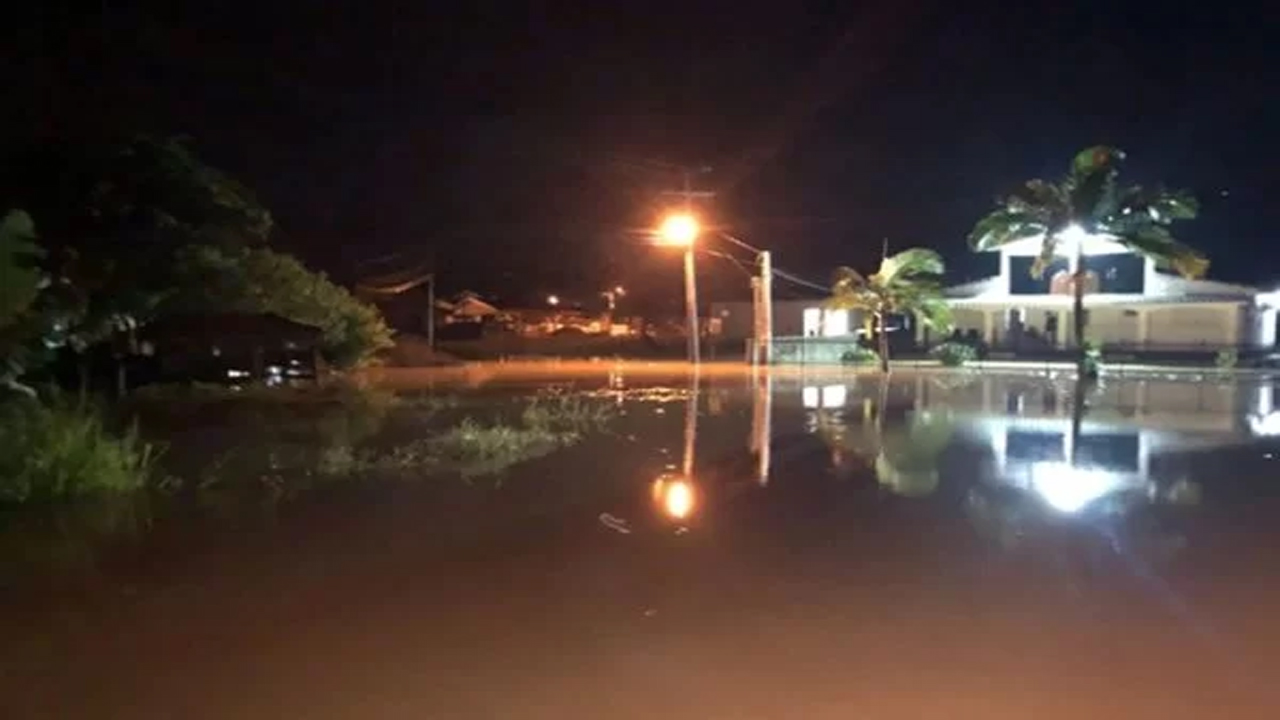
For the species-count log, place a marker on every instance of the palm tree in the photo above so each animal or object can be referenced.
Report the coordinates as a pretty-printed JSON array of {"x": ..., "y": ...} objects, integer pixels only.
[
  {"x": 1087, "y": 202},
  {"x": 907, "y": 282}
]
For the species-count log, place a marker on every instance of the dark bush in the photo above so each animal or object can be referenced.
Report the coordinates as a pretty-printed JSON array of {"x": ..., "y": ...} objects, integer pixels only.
[{"x": 954, "y": 354}]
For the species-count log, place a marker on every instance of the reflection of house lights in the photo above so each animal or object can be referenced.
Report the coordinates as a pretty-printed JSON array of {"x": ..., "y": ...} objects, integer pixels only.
[
  {"x": 1266, "y": 425},
  {"x": 1069, "y": 489},
  {"x": 831, "y": 396}
]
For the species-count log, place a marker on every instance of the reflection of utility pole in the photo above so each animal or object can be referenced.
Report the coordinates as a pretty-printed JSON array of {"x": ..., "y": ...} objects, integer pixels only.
[
  {"x": 691, "y": 423},
  {"x": 761, "y": 421}
]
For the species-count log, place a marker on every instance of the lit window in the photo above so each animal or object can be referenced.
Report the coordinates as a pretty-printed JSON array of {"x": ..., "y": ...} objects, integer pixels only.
[
  {"x": 812, "y": 321},
  {"x": 835, "y": 323}
]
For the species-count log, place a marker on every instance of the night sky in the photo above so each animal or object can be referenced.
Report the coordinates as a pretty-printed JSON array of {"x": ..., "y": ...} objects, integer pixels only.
[{"x": 520, "y": 146}]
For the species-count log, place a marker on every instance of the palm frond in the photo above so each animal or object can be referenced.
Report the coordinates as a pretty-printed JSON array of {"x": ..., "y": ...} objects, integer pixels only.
[
  {"x": 850, "y": 291},
  {"x": 1093, "y": 159},
  {"x": 934, "y": 312},
  {"x": 845, "y": 276},
  {"x": 1004, "y": 226},
  {"x": 1037, "y": 198},
  {"x": 1048, "y": 251},
  {"x": 1093, "y": 194},
  {"x": 1138, "y": 205},
  {"x": 1156, "y": 242},
  {"x": 911, "y": 263}
]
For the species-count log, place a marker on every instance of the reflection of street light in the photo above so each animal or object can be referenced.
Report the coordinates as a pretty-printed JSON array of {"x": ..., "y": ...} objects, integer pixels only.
[
  {"x": 553, "y": 300},
  {"x": 681, "y": 230},
  {"x": 675, "y": 496}
]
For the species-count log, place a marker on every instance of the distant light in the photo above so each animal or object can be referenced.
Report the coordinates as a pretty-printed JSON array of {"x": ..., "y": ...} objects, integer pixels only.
[
  {"x": 237, "y": 373},
  {"x": 619, "y": 290},
  {"x": 553, "y": 300}
]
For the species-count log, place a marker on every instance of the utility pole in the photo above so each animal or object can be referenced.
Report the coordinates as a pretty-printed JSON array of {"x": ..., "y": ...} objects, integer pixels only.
[
  {"x": 765, "y": 309},
  {"x": 690, "y": 270}
]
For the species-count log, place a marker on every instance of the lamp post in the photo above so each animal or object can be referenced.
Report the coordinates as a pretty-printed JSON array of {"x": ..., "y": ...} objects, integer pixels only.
[{"x": 682, "y": 231}]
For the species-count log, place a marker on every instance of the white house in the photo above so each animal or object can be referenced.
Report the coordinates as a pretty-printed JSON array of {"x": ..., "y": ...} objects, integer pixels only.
[{"x": 1129, "y": 303}]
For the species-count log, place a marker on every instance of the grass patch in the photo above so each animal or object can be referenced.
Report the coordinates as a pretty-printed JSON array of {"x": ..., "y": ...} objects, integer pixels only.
[{"x": 59, "y": 450}]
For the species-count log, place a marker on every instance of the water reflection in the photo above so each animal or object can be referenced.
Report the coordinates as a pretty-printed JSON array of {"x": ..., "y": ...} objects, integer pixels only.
[
  {"x": 675, "y": 494},
  {"x": 1089, "y": 450}
]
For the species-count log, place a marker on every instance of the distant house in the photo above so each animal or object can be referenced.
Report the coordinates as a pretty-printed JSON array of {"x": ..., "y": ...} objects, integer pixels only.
[
  {"x": 1130, "y": 305},
  {"x": 467, "y": 307}
]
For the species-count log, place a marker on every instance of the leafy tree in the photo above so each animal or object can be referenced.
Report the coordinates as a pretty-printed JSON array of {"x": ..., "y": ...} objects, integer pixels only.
[
  {"x": 20, "y": 282},
  {"x": 907, "y": 282},
  {"x": 112, "y": 219},
  {"x": 1089, "y": 201},
  {"x": 20, "y": 274},
  {"x": 258, "y": 280}
]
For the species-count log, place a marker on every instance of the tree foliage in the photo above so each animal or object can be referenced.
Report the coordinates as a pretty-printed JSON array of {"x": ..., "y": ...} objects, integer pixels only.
[
  {"x": 1089, "y": 198},
  {"x": 133, "y": 231},
  {"x": 258, "y": 280},
  {"x": 112, "y": 219},
  {"x": 1089, "y": 201},
  {"x": 20, "y": 275},
  {"x": 909, "y": 282}
]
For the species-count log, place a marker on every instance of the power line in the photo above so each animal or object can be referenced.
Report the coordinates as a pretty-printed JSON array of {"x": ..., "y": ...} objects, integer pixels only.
[{"x": 800, "y": 281}]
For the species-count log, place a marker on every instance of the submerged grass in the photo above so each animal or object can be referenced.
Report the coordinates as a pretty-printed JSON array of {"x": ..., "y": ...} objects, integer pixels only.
[
  {"x": 405, "y": 437},
  {"x": 60, "y": 450}
]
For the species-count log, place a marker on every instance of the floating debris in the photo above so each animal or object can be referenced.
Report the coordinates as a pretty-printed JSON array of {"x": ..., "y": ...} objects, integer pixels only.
[{"x": 615, "y": 523}]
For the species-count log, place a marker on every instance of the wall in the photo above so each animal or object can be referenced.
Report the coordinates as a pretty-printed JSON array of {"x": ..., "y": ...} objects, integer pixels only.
[
  {"x": 1109, "y": 326},
  {"x": 1195, "y": 325},
  {"x": 738, "y": 323}
]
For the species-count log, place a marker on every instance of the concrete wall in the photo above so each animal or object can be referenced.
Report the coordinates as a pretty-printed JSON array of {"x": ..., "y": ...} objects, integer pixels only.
[
  {"x": 1111, "y": 326},
  {"x": 1184, "y": 326},
  {"x": 737, "y": 321},
  {"x": 1192, "y": 325}
]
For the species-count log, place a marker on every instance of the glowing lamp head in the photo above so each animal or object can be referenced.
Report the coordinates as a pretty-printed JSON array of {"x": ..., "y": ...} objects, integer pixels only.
[
  {"x": 553, "y": 300},
  {"x": 679, "y": 230}
]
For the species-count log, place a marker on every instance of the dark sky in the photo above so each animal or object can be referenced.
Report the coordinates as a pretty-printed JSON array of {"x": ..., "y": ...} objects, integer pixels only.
[{"x": 519, "y": 145}]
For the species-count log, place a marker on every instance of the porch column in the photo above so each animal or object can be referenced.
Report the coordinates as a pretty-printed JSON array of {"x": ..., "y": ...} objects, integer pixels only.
[
  {"x": 1064, "y": 329},
  {"x": 1144, "y": 327},
  {"x": 988, "y": 327},
  {"x": 1267, "y": 333}
]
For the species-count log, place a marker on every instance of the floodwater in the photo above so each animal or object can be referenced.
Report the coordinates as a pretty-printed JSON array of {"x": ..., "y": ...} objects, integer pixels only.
[{"x": 939, "y": 546}]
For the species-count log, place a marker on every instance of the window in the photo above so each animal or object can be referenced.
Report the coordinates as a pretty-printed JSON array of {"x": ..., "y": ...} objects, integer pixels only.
[
  {"x": 812, "y": 321},
  {"x": 835, "y": 323}
]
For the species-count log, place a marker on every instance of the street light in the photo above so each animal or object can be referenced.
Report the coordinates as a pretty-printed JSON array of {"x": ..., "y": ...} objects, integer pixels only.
[
  {"x": 553, "y": 300},
  {"x": 681, "y": 230}
]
